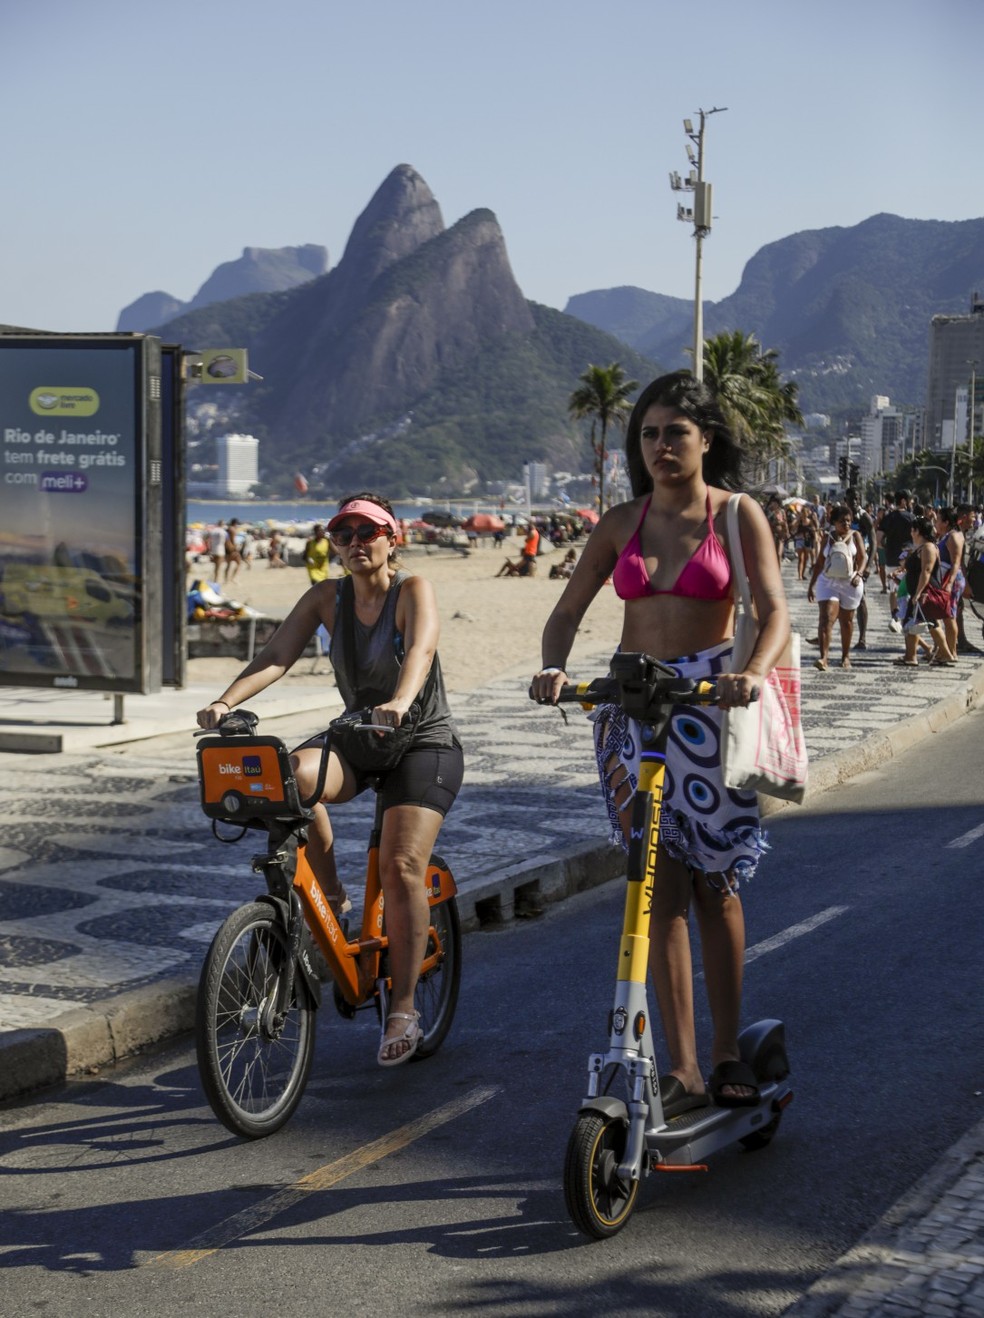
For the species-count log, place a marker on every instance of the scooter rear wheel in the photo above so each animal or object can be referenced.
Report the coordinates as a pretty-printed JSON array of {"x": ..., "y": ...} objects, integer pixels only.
[
  {"x": 761, "y": 1138},
  {"x": 599, "y": 1203}
]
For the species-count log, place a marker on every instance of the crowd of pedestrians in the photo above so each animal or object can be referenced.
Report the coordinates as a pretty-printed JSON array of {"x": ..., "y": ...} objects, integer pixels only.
[{"x": 916, "y": 555}]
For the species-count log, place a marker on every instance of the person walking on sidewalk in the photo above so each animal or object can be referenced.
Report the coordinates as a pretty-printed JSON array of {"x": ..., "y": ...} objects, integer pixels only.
[
  {"x": 863, "y": 523},
  {"x": 896, "y": 529},
  {"x": 666, "y": 554},
  {"x": 922, "y": 569},
  {"x": 950, "y": 544},
  {"x": 806, "y": 530},
  {"x": 837, "y": 584},
  {"x": 966, "y": 525}
]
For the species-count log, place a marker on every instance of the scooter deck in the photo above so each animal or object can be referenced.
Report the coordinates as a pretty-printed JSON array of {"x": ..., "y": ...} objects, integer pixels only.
[{"x": 695, "y": 1135}]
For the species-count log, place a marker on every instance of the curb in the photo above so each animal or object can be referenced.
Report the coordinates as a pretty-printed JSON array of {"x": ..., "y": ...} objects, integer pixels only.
[
  {"x": 88, "y": 1038},
  {"x": 862, "y": 1273}
]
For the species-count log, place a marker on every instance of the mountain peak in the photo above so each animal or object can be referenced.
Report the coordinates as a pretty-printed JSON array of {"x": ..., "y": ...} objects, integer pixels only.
[{"x": 401, "y": 216}]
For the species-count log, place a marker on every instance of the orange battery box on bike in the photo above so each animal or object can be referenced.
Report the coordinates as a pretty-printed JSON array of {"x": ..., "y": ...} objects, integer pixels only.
[{"x": 246, "y": 778}]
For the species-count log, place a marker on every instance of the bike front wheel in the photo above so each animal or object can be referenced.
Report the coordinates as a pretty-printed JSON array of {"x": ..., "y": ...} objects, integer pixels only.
[
  {"x": 437, "y": 990},
  {"x": 253, "y": 1065},
  {"x": 599, "y": 1202}
]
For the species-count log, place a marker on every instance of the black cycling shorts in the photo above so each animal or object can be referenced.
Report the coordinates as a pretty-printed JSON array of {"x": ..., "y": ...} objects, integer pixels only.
[{"x": 428, "y": 776}]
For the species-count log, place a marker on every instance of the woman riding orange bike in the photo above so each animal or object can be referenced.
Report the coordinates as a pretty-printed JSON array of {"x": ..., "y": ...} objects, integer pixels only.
[
  {"x": 666, "y": 554},
  {"x": 384, "y": 627}
]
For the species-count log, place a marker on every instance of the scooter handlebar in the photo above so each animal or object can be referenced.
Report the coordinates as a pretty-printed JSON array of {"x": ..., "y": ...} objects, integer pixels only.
[{"x": 606, "y": 690}]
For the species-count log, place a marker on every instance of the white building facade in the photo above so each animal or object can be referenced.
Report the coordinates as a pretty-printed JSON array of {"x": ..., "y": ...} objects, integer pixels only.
[
  {"x": 239, "y": 464},
  {"x": 883, "y": 433}
]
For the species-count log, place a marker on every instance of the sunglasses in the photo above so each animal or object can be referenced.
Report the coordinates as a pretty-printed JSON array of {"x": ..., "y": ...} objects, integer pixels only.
[{"x": 365, "y": 534}]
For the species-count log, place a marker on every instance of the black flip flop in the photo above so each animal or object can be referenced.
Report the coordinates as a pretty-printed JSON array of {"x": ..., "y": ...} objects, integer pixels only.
[
  {"x": 676, "y": 1099},
  {"x": 733, "y": 1073}
]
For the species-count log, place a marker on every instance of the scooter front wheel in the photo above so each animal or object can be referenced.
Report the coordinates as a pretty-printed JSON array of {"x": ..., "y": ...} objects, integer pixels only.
[{"x": 599, "y": 1202}]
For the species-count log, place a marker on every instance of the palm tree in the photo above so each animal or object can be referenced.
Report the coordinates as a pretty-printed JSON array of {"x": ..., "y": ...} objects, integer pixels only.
[
  {"x": 602, "y": 397},
  {"x": 753, "y": 396}
]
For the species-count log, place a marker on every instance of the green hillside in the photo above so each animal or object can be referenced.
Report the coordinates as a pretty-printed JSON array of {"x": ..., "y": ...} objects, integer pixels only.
[{"x": 504, "y": 405}]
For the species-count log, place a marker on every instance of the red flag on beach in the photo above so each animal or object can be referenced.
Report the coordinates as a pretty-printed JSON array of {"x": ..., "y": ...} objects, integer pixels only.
[{"x": 300, "y": 483}]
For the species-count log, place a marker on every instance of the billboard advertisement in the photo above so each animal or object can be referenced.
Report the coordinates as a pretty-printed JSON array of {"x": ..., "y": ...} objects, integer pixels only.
[{"x": 80, "y": 488}]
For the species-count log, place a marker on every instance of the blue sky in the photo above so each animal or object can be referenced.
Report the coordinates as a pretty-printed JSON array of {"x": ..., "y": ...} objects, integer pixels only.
[{"x": 146, "y": 144}]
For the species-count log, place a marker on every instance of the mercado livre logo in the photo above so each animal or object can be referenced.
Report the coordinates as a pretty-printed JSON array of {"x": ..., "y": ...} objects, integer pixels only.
[{"x": 64, "y": 400}]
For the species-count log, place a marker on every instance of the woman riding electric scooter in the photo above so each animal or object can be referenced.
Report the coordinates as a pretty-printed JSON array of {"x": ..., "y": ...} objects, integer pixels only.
[{"x": 667, "y": 556}]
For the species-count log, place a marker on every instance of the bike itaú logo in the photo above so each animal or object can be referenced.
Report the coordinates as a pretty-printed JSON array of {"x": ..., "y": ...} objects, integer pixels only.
[
  {"x": 63, "y": 400},
  {"x": 321, "y": 906},
  {"x": 252, "y": 766}
]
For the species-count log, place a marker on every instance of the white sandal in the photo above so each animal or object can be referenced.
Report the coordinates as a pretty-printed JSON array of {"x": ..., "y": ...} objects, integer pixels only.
[{"x": 411, "y": 1035}]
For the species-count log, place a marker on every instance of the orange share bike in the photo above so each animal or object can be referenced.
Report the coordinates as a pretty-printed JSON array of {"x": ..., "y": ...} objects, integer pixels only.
[{"x": 260, "y": 986}]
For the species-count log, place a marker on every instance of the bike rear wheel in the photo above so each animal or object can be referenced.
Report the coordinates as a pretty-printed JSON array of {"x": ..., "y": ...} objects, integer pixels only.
[
  {"x": 253, "y": 1068},
  {"x": 437, "y": 990}
]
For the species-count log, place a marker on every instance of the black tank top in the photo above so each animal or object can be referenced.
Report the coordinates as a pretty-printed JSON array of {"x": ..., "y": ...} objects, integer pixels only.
[
  {"x": 913, "y": 569},
  {"x": 379, "y": 657}
]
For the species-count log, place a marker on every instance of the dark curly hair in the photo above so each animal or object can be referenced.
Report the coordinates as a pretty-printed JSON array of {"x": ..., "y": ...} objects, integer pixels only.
[
  {"x": 694, "y": 399},
  {"x": 924, "y": 526}
]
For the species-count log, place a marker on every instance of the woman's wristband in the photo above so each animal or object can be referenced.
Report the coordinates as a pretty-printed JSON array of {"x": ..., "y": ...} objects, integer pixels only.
[
  {"x": 551, "y": 672},
  {"x": 222, "y": 702}
]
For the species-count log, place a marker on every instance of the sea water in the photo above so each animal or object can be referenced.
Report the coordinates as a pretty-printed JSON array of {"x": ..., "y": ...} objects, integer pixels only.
[{"x": 254, "y": 511}]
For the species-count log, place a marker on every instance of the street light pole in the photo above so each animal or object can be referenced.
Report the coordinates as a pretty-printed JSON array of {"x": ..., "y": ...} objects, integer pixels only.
[
  {"x": 973, "y": 364},
  {"x": 700, "y": 216}
]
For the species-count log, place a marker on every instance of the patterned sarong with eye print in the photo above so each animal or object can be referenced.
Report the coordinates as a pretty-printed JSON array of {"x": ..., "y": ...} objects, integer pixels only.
[{"x": 711, "y": 829}]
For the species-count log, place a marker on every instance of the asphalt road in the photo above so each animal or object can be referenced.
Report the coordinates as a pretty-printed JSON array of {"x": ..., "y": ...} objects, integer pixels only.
[{"x": 436, "y": 1188}]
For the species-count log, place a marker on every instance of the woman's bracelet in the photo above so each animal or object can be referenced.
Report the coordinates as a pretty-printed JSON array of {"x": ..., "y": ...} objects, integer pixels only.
[
  {"x": 222, "y": 702},
  {"x": 551, "y": 672}
]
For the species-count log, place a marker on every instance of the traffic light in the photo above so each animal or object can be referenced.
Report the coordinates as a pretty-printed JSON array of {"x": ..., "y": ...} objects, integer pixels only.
[
  {"x": 855, "y": 471},
  {"x": 842, "y": 470}
]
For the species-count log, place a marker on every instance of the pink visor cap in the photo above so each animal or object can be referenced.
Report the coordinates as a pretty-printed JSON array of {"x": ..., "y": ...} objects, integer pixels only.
[{"x": 372, "y": 512}]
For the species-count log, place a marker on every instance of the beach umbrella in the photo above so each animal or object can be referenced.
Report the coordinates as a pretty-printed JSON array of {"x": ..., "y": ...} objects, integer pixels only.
[
  {"x": 588, "y": 515},
  {"x": 779, "y": 490},
  {"x": 484, "y": 522}
]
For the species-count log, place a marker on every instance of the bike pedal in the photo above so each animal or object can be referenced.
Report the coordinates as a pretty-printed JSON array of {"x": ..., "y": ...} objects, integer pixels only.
[{"x": 344, "y": 1008}]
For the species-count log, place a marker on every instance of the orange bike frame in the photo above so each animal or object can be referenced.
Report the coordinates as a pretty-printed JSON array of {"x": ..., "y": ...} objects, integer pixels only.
[{"x": 355, "y": 965}]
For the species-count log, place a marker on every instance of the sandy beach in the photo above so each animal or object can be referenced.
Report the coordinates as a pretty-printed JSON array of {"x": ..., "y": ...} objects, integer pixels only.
[{"x": 490, "y": 626}]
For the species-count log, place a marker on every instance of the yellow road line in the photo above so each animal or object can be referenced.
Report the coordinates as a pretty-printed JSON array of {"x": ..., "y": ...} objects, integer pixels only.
[{"x": 250, "y": 1219}]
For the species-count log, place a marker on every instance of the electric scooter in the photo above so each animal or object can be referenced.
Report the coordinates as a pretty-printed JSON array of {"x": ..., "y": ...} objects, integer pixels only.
[{"x": 621, "y": 1133}]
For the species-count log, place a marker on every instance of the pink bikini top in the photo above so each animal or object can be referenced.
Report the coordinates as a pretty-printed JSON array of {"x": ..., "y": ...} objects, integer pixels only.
[{"x": 707, "y": 576}]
